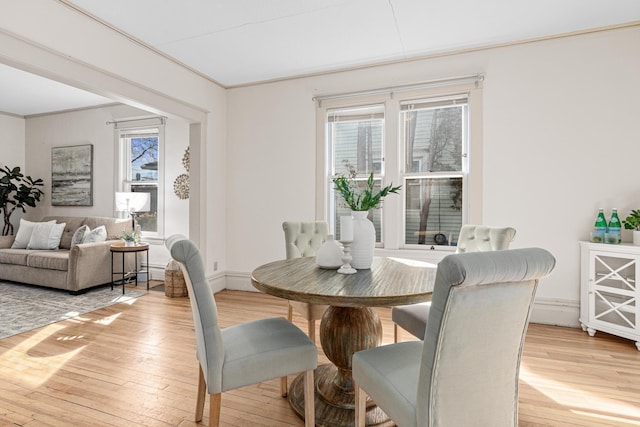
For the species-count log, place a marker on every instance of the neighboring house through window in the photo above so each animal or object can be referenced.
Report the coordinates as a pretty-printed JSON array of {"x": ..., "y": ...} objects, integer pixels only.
[{"x": 419, "y": 138}]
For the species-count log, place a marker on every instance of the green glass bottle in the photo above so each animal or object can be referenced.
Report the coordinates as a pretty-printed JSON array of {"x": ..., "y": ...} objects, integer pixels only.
[
  {"x": 613, "y": 228},
  {"x": 601, "y": 222}
]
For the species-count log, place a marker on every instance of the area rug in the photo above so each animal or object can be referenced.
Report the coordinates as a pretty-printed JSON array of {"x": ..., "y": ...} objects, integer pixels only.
[{"x": 23, "y": 307}]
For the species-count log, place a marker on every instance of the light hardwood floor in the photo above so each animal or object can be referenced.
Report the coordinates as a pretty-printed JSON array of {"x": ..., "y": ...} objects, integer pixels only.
[{"x": 134, "y": 365}]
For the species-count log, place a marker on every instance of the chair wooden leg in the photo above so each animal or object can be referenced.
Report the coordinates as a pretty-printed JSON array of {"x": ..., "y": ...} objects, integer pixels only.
[
  {"x": 360, "y": 406},
  {"x": 396, "y": 332},
  {"x": 309, "y": 400},
  {"x": 312, "y": 330},
  {"x": 214, "y": 409},
  {"x": 284, "y": 387},
  {"x": 202, "y": 391}
]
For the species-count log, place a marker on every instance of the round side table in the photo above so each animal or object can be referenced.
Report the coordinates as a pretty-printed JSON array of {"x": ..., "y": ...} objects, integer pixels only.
[{"x": 126, "y": 276}]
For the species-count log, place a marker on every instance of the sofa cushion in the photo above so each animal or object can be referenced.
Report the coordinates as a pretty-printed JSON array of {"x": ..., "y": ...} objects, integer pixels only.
[
  {"x": 14, "y": 256},
  {"x": 46, "y": 236},
  {"x": 73, "y": 223},
  {"x": 24, "y": 233},
  {"x": 114, "y": 226},
  {"x": 51, "y": 260}
]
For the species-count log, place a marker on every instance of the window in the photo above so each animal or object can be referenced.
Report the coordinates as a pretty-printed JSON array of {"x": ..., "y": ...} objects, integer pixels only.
[
  {"x": 141, "y": 171},
  {"x": 417, "y": 138},
  {"x": 355, "y": 136},
  {"x": 434, "y": 140}
]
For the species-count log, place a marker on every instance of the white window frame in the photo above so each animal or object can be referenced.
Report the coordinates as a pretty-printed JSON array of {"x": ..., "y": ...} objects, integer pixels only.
[
  {"x": 123, "y": 161},
  {"x": 393, "y": 209},
  {"x": 446, "y": 101},
  {"x": 336, "y": 170}
]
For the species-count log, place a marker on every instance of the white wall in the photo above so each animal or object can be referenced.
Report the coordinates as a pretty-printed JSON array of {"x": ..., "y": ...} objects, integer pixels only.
[
  {"x": 90, "y": 126},
  {"x": 12, "y": 137},
  {"x": 560, "y": 139},
  {"x": 12, "y": 131}
]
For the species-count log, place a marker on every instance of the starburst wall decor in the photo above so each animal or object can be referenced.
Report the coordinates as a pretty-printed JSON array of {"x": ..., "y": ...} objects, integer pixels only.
[{"x": 181, "y": 183}]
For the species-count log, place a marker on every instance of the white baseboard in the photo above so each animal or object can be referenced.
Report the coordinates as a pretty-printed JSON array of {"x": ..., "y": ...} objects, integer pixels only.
[
  {"x": 239, "y": 281},
  {"x": 556, "y": 312},
  {"x": 217, "y": 282},
  {"x": 156, "y": 271}
]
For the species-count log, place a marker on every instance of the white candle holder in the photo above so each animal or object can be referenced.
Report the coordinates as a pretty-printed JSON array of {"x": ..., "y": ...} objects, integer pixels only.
[{"x": 346, "y": 259}]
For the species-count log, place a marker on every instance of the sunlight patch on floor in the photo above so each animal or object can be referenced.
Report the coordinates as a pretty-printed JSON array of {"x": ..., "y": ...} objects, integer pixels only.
[
  {"x": 608, "y": 418},
  {"x": 580, "y": 401},
  {"x": 19, "y": 359},
  {"x": 107, "y": 320}
]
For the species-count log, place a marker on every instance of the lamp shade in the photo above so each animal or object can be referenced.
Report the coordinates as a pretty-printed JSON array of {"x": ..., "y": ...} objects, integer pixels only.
[{"x": 133, "y": 202}]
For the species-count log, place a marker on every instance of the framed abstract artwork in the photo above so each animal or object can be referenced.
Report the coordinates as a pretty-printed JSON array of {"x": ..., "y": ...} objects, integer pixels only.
[{"x": 72, "y": 175}]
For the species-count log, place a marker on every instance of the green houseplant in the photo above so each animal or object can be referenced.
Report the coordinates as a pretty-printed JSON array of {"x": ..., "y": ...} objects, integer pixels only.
[
  {"x": 365, "y": 198},
  {"x": 17, "y": 191},
  {"x": 632, "y": 222},
  {"x": 130, "y": 237}
]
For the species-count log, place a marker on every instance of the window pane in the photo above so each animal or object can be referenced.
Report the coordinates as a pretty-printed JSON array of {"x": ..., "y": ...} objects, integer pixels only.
[
  {"x": 433, "y": 211},
  {"x": 433, "y": 138},
  {"x": 356, "y": 138},
  {"x": 144, "y": 158},
  {"x": 375, "y": 215},
  {"x": 148, "y": 221}
]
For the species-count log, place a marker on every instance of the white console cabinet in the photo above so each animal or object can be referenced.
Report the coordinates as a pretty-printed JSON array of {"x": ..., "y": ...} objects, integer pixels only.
[{"x": 609, "y": 293}]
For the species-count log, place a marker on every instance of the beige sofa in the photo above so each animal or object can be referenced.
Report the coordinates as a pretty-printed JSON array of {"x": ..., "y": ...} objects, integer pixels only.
[{"x": 84, "y": 266}]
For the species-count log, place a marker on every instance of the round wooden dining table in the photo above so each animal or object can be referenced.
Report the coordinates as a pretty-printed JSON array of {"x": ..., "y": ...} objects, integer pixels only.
[{"x": 348, "y": 325}]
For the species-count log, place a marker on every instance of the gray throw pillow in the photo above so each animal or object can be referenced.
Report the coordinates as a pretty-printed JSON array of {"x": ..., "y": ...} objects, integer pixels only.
[
  {"x": 46, "y": 236},
  {"x": 98, "y": 234},
  {"x": 79, "y": 235}
]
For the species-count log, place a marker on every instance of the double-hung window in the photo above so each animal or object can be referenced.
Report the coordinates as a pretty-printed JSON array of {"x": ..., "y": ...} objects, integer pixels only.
[
  {"x": 355, "y": 136},
  {"x": 419, "y": 138},
  {"x": 434, "y": 140},
  {"x": 140, "y": 151}
]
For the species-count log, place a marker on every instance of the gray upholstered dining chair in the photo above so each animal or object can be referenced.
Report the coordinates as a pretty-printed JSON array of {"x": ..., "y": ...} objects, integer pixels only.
[
  {"x": 304, "y": 239},
  {"x": 242, "y": 354},
  {"x": 472, "y": 238},
  {"x": 465, "y": 372}
]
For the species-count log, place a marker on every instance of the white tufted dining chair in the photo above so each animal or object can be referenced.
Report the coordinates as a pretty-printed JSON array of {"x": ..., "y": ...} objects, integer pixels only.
[
  {"x": 242, "y": 354},
  {"x": 472, "y": 238},
  {"x": 465, "y": 372},
  {"x": 304, "y": 239}
]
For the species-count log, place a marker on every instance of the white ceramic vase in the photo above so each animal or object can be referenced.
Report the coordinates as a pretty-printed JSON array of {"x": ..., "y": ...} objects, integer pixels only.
[
  {"x": 364, "y": 241},
  {"x": 329, "y": 254},
  {"x": 636, "y": 237}
]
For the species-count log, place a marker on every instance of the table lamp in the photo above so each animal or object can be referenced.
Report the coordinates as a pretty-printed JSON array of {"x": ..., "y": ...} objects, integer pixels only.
[{"x": 132, "y": 203}]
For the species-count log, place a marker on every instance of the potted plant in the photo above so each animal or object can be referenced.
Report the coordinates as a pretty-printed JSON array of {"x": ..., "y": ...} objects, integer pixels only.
[
  {"x": 365, "y": 198},
  {"x": 16, "y": 192},
  {"x": 632, "y": 222},
  {"x": 361, "y": 199},
  {"x": 130, "y": 238}
]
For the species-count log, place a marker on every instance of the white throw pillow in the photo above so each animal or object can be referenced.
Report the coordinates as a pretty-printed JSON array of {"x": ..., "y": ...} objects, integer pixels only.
[
  {"x": 79, "y": 235},
  {"x": 98, "y": 234},
  {"x": 24, "y": 233},
  {"x": 46, "y": 235}
]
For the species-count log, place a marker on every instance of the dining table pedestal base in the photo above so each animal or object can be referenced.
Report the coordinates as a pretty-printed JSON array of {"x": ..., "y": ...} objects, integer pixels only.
[{"x": 343, "y": 331}]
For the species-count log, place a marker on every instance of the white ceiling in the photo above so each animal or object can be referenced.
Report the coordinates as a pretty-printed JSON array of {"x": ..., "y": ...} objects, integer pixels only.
[
  {"x": 27, "y": 94},
  {"x": 236, "y": 42}
]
